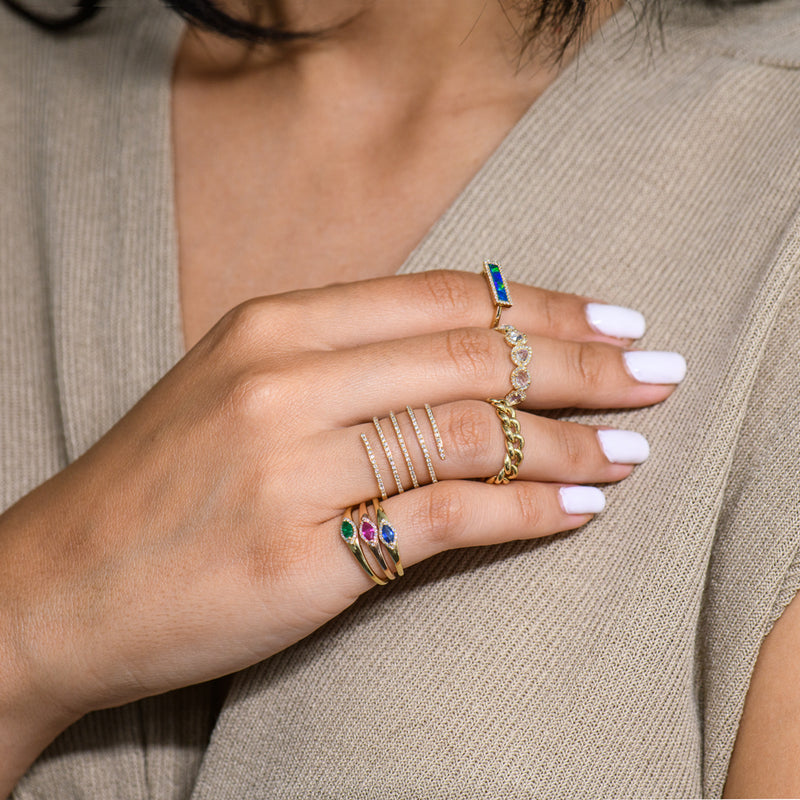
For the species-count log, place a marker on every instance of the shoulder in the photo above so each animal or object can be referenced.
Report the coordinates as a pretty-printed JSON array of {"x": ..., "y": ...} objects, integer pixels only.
[{"x": 766, "y": 33}]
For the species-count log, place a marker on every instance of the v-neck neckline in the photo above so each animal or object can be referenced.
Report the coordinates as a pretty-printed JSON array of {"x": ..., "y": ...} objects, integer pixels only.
[{"x": 598, "y": 47}]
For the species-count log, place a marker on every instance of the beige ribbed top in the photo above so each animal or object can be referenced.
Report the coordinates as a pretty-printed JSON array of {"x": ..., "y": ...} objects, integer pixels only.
[{"x": 610, "y": 662}]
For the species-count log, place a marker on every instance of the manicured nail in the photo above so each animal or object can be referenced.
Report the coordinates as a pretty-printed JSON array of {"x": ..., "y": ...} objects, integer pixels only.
[
  {"x": 581, "y": 499},
  {"x": 650, "y": 366},
  {"x": 623, "y": 323},
  {"x": 624, "y": 447}
]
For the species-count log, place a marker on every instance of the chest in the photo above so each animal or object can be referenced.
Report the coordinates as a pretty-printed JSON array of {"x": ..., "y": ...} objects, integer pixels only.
[{"x": 267, "y": 203}]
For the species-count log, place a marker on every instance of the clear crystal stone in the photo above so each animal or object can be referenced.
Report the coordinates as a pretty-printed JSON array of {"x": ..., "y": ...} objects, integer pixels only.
[
  {"x": 520, "y": 378},
  {"x": 521, "y": 355}
]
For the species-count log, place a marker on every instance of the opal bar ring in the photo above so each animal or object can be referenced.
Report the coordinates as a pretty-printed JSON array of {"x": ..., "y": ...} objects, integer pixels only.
[{"x": 499, "y": 289}]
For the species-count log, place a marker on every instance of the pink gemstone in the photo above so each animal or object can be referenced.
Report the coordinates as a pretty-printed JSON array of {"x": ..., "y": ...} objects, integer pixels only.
[
  {"x": 515, "y": 398},
  {"x": 521, "y": 355},
  {"x": 520, "y": 378},
  {"x": 368, "y": 532}
]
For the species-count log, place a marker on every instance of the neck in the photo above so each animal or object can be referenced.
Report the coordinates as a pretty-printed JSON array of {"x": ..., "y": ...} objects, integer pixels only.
[{"x": 409, "y": 52}]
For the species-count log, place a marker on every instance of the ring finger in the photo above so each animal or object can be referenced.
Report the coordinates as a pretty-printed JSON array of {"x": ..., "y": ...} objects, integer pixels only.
[{"x": 397, "y": 453}]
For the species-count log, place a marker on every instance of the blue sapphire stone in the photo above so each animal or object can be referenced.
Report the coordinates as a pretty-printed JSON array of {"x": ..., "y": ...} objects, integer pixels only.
[{"x": 388, "y": 535}]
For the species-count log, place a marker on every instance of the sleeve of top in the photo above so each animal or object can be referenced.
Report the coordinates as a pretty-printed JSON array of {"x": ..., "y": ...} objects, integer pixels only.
[{"x": 754, "y": 568}]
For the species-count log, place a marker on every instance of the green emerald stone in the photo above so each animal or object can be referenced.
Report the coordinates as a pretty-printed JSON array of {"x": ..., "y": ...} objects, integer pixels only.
[{"x": 348, "y": 529}]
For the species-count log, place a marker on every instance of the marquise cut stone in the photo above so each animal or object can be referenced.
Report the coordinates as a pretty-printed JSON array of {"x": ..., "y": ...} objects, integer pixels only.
[
  {"x": 388, "y": 535},
  {"x": 368, "y": 532},
  {"x": 347, "y": 529}
]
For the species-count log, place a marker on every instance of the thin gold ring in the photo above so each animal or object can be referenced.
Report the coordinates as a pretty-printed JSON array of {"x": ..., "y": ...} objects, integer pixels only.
[
  {"x": 422, "y": 445},
  {"x": 402, "y": 442},
  {"x": 387, "y": 535},
  {"x": 368, "y": 533},
  {"x": 348, "y": 530}
]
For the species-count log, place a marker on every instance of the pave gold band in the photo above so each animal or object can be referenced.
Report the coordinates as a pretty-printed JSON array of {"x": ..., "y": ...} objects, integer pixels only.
[
  {"x": 422, "y": 445},
  {"x": 371, "y": 457},
  {"x": 389, "y": 457},
  {"x": 436, "y": 435},
  {"x": 402, "y": 442},
  {"x": 499, "y": 289},
  {"x": 521, "y": 357},
  {"x": 514, "y": 442}
]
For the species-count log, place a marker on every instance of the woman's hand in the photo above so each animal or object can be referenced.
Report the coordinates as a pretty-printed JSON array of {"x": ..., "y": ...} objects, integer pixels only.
[{"x": 201, "y": 533}]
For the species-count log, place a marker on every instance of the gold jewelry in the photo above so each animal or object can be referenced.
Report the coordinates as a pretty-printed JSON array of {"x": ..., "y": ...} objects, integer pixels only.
[
  {"x": 514, "y": 443},
  {"x": 387, "y": 535},
  {"x": 349, "y": 532},
  {"x": 499, "y": 289},
  {"x": 389, "y": 456},
  {"x": 521, "y": 357},
  {"x": 402, "y": 442},
  {"x": 368, "y": 533},
  {"x": 436, "y": 435},
  {"x": 422, "y": 444},
  {"x": 371, "y": 457}
]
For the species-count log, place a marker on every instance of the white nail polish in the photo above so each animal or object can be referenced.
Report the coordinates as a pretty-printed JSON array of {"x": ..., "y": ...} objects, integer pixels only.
[
  {"x": 624, "y": 447},
  {"x": 651, "y": 366},
  {"x": 581, "y": 499},
  {"x": 618, "y": 321}
]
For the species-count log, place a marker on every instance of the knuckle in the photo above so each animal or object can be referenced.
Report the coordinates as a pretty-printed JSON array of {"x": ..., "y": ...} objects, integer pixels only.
[
  {"x": 550, "y": 311},
  {"x": 445, "y": 516},
  {"x": 588, "y": 366},
  {"x": 529, "y": 505},
  {"x": 468, "y": 431},
  {"x": 448, "y": 293},
  {"x": 571, "y": 447},
  {"x": 247, "y": 319},
  {"x": 471, "y": 352},
  {"x": 253, "y": 394}
]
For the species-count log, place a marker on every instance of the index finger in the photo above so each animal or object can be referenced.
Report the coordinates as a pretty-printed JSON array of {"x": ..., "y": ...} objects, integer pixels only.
[{"x": 401, "y": 306}]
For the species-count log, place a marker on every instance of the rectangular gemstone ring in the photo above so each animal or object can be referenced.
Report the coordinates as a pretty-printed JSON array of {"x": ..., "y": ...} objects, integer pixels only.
[{"x": 501, "y": 297}]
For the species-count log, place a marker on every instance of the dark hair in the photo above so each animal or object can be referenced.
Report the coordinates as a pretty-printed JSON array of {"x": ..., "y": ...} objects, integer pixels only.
[{"x": 563, "y": 20}]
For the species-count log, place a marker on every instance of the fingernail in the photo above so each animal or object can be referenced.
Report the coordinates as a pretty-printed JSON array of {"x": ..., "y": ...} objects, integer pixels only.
[
  {"x": 624, "y": 447},
  {"x": 623, "y": 323},
  {"x": 581, "y": 499},
  {"x": 649, "y": 366}
]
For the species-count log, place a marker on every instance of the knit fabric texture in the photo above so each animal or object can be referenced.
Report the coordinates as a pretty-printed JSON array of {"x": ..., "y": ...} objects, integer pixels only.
[{"x": 609, "y": 662}]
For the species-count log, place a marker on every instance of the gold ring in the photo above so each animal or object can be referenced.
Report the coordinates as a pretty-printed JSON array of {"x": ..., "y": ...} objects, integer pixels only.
[
  {"x": 521, "y": 357},
  {"x": 514, "y": 443},
  {"x": 499, "y": 289},
  {"x": 348, "y": 530},
  {"x": 387, "y": 535}
]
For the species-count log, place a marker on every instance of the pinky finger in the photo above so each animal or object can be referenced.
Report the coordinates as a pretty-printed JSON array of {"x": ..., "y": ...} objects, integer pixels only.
[{"x": 452, "y": 514}]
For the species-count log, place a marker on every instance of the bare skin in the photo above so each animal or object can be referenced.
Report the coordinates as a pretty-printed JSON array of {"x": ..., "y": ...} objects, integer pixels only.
[{"x": 331, "y": 162}]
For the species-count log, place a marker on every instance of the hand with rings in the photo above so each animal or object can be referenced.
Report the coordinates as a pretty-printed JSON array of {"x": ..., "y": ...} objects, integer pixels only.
[{"x": 207, "y": 529}]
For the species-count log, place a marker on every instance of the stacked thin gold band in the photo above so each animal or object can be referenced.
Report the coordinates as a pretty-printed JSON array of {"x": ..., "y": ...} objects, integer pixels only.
[
  {"x": 402, "y": 442},
  {"x": 436, "y": 435},
  {"x": 514, "y": 443},
  {"x": 389, "y": 457},
  {"x": 371, "y": 457},
  {"x": 378, "y": 535},
  {"x": 424, "y": 447}
]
